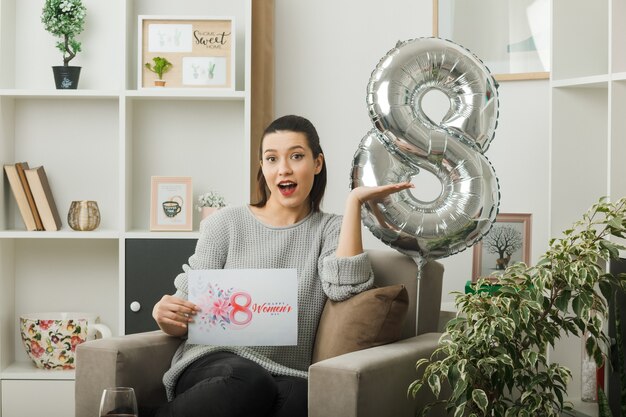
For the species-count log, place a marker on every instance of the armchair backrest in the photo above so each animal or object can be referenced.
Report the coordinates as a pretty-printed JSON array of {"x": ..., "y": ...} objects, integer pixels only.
[{"x": 391, "y": 267}]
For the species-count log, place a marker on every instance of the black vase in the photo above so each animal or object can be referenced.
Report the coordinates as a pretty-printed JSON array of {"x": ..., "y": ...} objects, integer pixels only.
[{"x": 66, "y": 78}]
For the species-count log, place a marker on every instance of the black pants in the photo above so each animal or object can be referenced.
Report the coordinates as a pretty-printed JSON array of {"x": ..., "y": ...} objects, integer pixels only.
[{"x": 223, "y": 384}]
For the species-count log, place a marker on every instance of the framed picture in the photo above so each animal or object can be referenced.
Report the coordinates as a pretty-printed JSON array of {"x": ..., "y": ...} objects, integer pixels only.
[
  {"x": 171, "y": 206},
  {"x": 512, "y": 37},
  {"x": 201, "y": 51},
  {"x": 507, "y": 242}
]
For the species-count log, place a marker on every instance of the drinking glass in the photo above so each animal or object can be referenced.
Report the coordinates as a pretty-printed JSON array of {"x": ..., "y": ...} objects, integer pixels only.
[{"x": 118, "y": 402}]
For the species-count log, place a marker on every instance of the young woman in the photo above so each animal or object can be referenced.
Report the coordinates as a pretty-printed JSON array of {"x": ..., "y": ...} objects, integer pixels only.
[{"x": 285, "y": 229}]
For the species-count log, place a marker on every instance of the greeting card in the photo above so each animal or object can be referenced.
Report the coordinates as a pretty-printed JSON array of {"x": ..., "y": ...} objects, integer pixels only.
[{"x": 244, "y": 307}]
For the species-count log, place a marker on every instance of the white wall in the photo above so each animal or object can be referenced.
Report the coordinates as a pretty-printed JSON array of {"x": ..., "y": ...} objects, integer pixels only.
[{"x": 325, "y": 53}]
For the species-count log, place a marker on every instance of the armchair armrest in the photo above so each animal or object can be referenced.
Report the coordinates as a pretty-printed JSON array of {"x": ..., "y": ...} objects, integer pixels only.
[
  {"x": 137, "y": 360},
  {"x": 371, "y": 382}
]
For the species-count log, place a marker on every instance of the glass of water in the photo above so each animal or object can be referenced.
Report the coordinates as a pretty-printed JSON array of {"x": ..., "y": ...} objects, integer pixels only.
[{"x": 118, "y": 402}]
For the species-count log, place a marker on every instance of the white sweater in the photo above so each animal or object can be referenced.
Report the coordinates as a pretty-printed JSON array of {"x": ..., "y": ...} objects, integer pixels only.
[{"x": 234, "y": 238}]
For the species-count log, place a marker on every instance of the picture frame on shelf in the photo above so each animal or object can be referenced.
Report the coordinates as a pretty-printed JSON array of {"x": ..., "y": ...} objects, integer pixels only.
[
  {"x": 200, "y": 51},
  {"x": 507, "y": 242},
  {"x": 171, "y": 204},
  {"x": 511, "y": 37}
]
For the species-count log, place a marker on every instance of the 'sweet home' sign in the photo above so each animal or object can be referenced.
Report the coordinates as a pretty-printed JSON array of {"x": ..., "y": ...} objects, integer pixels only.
[{"x": 201, "y": 51}]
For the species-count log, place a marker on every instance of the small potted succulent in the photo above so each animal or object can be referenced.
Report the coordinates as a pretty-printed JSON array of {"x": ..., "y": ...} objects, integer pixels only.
[
  {"x": 209, "y": 203},
  {"x": 160, "y": 66},
  {"x": 65, "y": 19}
]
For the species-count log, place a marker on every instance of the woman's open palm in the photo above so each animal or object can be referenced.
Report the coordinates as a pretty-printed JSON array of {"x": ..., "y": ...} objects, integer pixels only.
[{"x": 365, "y": 194}]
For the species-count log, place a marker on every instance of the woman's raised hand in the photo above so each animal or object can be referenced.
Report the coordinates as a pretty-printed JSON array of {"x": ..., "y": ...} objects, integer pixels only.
[
  {"x": 364, "y": 194},
  {"x": 350, "y": 239}
]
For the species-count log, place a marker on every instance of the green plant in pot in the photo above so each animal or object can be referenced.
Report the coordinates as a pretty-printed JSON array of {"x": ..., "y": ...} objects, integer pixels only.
[
  {"x": 65, "y": 19},
  {"x": 493, "y": 355},
  {"x": 160, "y": 66}
]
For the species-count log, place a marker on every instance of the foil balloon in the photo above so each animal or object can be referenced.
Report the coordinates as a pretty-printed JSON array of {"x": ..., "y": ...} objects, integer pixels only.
[{"x": 405, "y": 141}]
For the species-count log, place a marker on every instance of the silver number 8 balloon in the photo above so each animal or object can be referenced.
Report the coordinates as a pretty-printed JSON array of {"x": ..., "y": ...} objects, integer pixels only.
[{"x": 405, "y": 140}]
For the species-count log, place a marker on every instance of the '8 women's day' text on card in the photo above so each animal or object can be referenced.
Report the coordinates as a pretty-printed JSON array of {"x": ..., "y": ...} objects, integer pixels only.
[{"x": 244, "y": 307}]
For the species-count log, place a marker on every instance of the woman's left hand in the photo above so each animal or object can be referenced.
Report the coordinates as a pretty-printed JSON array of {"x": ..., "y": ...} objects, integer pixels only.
[
  {"x": 350, "y": 240},
  {"x": 364, "y": 194}
]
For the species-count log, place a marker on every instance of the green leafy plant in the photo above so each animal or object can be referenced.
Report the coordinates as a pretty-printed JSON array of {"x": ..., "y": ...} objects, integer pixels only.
[
  {"x": 65, "y": 19},
  {"x": 493, "y": 354},
  {"x": 161, "y": 66},
  {"x": 210, "y": 199}
]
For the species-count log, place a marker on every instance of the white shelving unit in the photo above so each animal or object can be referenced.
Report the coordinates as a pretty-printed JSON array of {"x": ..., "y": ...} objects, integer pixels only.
[
  {"x": 101, "y": 142},
  {"x": 588, "y": 137}
]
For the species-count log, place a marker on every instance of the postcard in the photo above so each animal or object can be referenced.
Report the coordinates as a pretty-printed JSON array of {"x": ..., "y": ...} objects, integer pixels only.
[{"x": 244, "y": 307}]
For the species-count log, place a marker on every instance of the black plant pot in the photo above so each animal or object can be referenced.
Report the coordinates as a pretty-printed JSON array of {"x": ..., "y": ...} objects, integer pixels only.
[{"x": 66, "y": 78}]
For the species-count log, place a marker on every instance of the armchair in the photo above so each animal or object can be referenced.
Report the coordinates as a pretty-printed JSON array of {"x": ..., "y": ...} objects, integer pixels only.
[{"x": 369, "y": 382}]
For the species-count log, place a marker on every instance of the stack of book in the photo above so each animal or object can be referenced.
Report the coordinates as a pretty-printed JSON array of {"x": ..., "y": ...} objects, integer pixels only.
[{"x": 33, "y": 195}]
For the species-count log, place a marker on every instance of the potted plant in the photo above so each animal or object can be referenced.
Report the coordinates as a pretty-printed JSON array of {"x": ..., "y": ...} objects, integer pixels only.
[
  {"x": 210, "y": 202},
  {"x": 160, "y": 66},
  {"x": 65, "y": 19},
  {"x": 493, "y": 355}
]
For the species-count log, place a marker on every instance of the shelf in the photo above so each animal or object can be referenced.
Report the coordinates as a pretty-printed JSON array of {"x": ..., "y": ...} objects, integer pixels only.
[
  {"x": 97, "y": 234},
  {"x": 103, "y": 142},
  {"x": 618, "y": 76},
  {"x": 186, "y": 94},
  {"x": 179, "y": 93},
  {"x": 27, "y": 370},
  {"x": 138, "y": 234},
  {"x": 59, "y": 94},
  {"x": 202, "y": 139},
  {"x": 593, "y": 81},
  {"x": 61, "y": 234},
  {"x": 80, "y": 156}
]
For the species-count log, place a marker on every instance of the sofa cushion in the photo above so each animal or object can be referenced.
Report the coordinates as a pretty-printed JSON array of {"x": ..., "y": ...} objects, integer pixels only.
[{"x": 371, "y": 318}]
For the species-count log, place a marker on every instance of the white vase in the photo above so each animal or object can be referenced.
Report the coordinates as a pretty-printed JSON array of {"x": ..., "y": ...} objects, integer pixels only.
[{"x": 206, "y": 211}]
